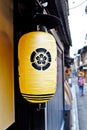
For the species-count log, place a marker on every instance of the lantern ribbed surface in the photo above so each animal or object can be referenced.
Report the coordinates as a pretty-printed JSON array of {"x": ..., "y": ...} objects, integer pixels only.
[{"x": 37, "y": 55}]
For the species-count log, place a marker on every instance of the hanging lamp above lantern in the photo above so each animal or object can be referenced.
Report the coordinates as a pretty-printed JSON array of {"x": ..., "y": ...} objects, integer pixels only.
[{"x": 37, "y": 55}]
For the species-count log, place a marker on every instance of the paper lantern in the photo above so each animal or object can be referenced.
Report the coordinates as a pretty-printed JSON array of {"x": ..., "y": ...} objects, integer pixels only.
[
  {"x": 66, "y": 71},
  {"x": 37, "y": 55},
  {"x": 70, "y": 70}
]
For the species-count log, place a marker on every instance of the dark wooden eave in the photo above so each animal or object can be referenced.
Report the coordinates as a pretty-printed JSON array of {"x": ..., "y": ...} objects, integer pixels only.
[
  {"x": 68, "y": 61},
  {"x": 60, "y": 9},
  {"x": 26, "y": 9}
]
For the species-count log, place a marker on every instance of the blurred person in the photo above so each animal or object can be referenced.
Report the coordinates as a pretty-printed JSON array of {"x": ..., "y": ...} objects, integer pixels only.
[{"x": 81, "y": 83}]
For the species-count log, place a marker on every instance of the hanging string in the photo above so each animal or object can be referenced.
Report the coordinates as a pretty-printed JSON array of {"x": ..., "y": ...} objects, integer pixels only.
[{"x": 78, "y": 5}]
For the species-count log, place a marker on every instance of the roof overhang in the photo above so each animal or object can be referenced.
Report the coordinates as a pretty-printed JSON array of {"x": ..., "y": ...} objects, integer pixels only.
[
  {"x": 68, "y": 61},
  {"x": 84, "y": 67}
]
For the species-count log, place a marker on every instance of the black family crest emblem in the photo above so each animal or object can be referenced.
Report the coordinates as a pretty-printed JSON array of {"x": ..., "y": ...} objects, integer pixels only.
[{"x": 41, "y": 59}]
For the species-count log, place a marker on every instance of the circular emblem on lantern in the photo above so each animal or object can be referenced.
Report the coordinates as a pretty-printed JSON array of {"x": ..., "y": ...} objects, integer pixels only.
[{"x": 41, "y": 59}]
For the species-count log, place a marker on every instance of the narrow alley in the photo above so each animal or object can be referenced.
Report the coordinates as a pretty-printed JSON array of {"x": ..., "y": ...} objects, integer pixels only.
[{"x": 80, "y": 104}]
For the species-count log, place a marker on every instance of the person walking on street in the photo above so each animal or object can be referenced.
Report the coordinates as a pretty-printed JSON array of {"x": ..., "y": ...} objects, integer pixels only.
[{"x": 81, "y": 83}]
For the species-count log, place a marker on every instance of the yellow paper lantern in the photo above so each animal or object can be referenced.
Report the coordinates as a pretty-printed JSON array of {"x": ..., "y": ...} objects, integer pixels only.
[{"x": 37, "y": 55}]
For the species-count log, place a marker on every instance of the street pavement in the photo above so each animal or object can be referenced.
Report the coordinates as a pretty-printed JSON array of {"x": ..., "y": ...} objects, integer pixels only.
[
  {"x": 74, "y": 112},
  {"x": 79, "y": 107},
  {"x": 82, "y": 108}
]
